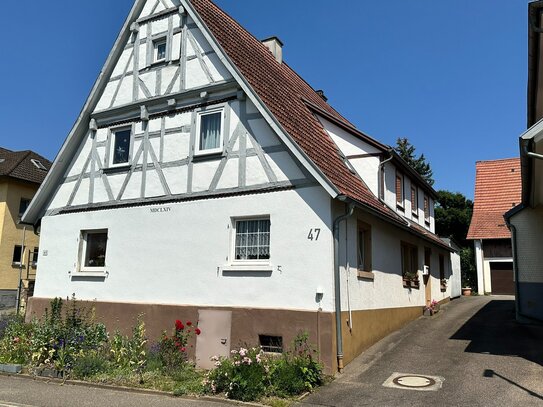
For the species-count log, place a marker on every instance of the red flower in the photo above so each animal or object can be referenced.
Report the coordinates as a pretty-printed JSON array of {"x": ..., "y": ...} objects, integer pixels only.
[
  {"x": 179, "y": 325},
  {"x": 197, "y": 331},
  {"x": 183, "y": 349},
  {"x": 177, "y": 344},
  {"x": 189, "y": 323}
]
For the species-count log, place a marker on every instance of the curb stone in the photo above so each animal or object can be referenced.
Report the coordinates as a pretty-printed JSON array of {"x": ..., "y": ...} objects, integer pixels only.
[{"x": 128, "y": 389}]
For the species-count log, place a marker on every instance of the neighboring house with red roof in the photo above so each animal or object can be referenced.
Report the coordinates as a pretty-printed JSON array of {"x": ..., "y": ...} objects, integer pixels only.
[
  {"x": 205, "y": 179},
  {"x": 497, "y": 190},
  {"x": 21, "y": 173},
  {"x": 526, "y": 219}
]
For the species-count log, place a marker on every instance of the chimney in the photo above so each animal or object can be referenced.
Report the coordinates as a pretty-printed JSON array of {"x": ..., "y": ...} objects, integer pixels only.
[
  {"x": 275, "y": 46},
  {"x": 320, "y": 92}
]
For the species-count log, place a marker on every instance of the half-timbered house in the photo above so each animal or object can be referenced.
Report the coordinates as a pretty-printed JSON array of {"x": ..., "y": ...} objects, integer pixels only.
[{"x": 205, "y": 179}]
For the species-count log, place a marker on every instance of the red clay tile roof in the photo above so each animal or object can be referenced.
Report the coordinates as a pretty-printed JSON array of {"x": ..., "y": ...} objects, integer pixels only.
[
  {"x": 285, "y": 94},
  {"x": 497, "y": 190},
  {"x": 17, "y": 164}
]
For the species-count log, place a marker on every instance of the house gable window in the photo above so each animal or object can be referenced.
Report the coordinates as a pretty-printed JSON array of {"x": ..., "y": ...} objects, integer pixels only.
[
  {"x": 414, "y": 202},
  {"x": 93, "y": 250},
  {"x": 210, "y": 132},
  {"x": 159, "y": 50},
  {"x": 252, "y": 240},
  {"x": 364, "y": 247},
  {"x": 120, "y": 144},
  {"x": 410, "y": 262},
  {"x": 399, "y": 191}
]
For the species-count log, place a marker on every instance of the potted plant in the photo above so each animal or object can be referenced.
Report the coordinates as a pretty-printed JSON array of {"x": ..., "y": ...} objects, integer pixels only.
[{"x": 466, "y": 291}]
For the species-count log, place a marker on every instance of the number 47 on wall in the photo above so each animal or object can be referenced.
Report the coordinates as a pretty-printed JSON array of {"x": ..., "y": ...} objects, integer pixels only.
[{"x": 314, "y": 234}]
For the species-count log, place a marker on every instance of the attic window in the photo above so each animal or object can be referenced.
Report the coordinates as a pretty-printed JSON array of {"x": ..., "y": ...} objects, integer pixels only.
[
  {"x": 160, "y": 50},
  {"x": 38, "y": 164}
]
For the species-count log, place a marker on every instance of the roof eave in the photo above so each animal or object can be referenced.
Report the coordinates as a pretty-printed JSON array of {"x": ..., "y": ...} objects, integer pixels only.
[{"x": 397, "y": 159}]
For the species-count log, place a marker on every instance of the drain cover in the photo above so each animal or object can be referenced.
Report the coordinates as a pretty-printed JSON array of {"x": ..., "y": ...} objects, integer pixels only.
[{"x": 409, "y": 381}]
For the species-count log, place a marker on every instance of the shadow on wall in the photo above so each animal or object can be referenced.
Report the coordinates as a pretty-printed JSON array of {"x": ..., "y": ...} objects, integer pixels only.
[{"x": 494, "y": 330}]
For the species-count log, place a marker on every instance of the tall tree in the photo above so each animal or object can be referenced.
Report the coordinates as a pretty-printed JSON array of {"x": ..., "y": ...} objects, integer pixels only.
[{"x": 407, "y": 151}]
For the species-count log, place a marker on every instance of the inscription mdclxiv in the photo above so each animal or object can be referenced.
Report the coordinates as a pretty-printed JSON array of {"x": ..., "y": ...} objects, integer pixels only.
[{"x": 161, "y": 209}]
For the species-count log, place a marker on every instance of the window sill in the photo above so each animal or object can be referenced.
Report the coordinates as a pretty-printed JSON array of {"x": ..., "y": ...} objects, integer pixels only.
[
  {"x": 117, "y": 168},
  {"x": 17, "y": 264},
  {"x": 400, "y": 207},
  {"x": 248, "y": 267},
  {"x": 411, "y": 284},
  {"x": 366, "y": 275},
  {"x": 204, "y": 156},
  {"x": 95, "y": 274}
]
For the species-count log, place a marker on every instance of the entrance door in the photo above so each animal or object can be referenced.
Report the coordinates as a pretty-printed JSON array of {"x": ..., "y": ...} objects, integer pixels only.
[
  {"x": 215, "y": 337},
  {"x": 501, "y": 278}
]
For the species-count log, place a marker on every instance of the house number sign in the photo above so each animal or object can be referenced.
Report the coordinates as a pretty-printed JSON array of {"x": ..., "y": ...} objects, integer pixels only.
[
  {"x": 161, "y": 209},
  {"x": 314, "y": 234}
]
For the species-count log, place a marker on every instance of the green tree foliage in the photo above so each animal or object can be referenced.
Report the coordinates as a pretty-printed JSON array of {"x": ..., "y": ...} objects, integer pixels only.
[
  {"x": 407, "y": 151},
  {"x": 453, "y": 216}
]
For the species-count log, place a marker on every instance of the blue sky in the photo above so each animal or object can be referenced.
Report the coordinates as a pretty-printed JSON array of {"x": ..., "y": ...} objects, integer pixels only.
[{"x": 450, "y": 76}]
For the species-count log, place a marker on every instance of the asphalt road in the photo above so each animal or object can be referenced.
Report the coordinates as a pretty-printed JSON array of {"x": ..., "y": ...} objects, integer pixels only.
[
  {"x": 474, "y": 344},
  {"x": 22, "y": 392}
]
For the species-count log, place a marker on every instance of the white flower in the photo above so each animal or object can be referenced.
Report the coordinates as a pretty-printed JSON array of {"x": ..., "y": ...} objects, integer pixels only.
[
  {"x": 242, "y": 351},
  {"x": 233, "y": 351},
  {"x": 247, "y": 360},
  {"x": 214, "y": 358},
  {"x": 237, "y": 363},
  {"x": 218, "y": 363}
]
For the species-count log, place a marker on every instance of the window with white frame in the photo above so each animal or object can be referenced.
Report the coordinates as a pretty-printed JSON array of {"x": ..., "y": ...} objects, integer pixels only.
[
  {"x": 121, "y": 140},
  {"x": 159, "y": 53},
  {"x": 210, "y": 132},
  {"x": 252, "y": 239},
  {"x": 93, "y": 250}
]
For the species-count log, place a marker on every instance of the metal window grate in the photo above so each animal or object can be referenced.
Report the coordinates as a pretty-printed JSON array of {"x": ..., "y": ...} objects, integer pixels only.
[{"x": 272, "y": 344}]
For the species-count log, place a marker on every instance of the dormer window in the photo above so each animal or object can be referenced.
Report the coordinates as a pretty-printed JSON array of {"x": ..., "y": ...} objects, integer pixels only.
[
  {"x": 159, "y": 50},
  {"x": 38, "y": 164}
]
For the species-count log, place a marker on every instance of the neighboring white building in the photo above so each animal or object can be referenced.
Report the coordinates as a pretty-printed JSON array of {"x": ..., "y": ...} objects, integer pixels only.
[{"x": 204, "y": 179}]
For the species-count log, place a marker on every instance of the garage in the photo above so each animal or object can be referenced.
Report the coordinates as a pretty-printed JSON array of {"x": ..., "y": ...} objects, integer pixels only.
[{"x": 501, "y": 278}]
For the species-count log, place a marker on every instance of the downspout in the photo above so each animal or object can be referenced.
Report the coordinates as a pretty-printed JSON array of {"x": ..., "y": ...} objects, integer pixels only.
[
  {"x": 381, "y": 177},
  {"x": 513, "y": 230},
  {"x": 337, "y": 282}
]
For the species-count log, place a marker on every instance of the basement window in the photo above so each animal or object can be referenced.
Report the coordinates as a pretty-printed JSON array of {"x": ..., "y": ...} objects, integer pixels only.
[
  {"x": 271, "y": 344},
  {"x": 93, "y": 250}
]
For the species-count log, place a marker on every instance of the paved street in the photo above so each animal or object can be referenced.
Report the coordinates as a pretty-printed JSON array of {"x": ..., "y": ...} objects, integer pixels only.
[
  {"x": 485, "y": 358},
  {"x": 20, "y": 392}
]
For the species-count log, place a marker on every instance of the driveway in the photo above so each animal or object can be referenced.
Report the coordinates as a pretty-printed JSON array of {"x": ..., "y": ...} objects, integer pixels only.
[{"x": 483, "y": 356}]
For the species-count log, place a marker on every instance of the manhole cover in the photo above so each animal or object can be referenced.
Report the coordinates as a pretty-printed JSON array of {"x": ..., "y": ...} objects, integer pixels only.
[
  {"x": 410, "y": 381},
  {"x": 414, "y": 381}
]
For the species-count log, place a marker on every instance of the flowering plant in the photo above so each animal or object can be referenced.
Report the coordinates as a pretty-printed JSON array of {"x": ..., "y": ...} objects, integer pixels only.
[
  {"x": 432, "y": 306},
  {"x": 173, "y": 349}
]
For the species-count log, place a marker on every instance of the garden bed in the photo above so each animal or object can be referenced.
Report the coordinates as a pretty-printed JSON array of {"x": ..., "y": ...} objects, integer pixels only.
[{"x": 68, "y": 344}]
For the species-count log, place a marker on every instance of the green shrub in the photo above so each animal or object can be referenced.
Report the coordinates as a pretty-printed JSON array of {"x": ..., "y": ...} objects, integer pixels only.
[
  {"x": 130, "y": 352},
  {"x": 89, "y": 365},
  {"x": 172, "y": 350},
  {"x": 15, "y": 345},
  {"x": 250, "y": 374}
]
